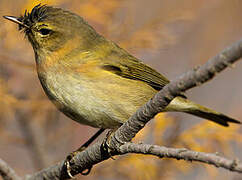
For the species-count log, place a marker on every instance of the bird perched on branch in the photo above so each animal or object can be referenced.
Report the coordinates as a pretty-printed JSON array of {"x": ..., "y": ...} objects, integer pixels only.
[{"x": 91, "y": 79}]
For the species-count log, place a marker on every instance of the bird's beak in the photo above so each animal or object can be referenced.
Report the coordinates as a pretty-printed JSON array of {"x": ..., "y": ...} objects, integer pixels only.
[{"x": 16, "y": 20}]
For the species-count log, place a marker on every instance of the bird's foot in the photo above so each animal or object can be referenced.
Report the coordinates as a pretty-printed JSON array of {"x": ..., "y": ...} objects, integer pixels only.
[
  {"x": 106, "y": 150},
  {"x": 69, "y": 162},
  {"x": 69, "y": 159}
]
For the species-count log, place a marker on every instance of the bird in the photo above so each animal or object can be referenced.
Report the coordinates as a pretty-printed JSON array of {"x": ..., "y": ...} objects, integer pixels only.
[{"x": 91, "y": 79}]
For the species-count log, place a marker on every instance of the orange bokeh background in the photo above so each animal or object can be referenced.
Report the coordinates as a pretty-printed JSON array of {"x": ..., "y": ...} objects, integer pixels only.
[{"x": 172, "y": 37}]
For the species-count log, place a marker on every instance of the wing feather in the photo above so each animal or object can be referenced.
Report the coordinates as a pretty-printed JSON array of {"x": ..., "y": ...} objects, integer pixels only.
[{"x": 132, "y": 68}]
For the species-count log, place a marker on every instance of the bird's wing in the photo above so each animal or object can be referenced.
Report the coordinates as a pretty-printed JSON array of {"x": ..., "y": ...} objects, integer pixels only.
[{"x": 132, "y": 68}]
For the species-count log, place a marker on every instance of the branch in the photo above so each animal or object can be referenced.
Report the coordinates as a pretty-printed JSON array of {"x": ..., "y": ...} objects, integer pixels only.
[
  {"x": 182, "y": 153},
  {"x": 129, "y": 129},
  {"x": 83, "y": 160},
  {"x": 6, "y": 172}
]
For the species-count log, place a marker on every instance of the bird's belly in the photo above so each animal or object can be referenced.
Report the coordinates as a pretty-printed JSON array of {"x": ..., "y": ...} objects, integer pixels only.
[{"x": 102, "y": 104}]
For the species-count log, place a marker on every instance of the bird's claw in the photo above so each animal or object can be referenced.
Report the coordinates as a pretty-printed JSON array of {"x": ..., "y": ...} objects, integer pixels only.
[
  {"x": 68, "y": 163},
  {"x": 106, "y": 150}
]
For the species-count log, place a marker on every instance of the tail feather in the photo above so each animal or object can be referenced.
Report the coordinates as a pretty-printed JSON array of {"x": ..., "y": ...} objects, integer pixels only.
[
  {"x": 217, "y": 118},
  {"x": 181, "y": 104}
]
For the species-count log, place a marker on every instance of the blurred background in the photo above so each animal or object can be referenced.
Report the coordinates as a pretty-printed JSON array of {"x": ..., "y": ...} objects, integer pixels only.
[{"x": 172, "y": 36}]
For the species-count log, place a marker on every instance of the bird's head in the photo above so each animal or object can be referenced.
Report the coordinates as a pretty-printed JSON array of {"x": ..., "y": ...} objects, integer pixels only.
[{"x": 49, "y": 28}]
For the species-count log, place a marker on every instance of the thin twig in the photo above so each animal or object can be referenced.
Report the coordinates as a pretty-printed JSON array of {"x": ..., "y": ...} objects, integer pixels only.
[
  {"x": 7, "y": 172},
  {"x": 182, "y": 153}
]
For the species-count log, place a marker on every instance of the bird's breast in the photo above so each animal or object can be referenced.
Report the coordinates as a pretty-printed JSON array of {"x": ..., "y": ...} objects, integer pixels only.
[{"x": 92, "y": 96}]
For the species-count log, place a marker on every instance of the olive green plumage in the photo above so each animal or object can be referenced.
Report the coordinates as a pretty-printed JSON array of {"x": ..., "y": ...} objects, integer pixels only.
[{"x": 91, "y": 79}]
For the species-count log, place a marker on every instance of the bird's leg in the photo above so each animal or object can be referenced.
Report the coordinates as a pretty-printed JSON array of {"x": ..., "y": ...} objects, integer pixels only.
[
  {"x": 105, "y": 148},
  {"x": 67, "y": 163},
  {"x": 89, "y": 141}
]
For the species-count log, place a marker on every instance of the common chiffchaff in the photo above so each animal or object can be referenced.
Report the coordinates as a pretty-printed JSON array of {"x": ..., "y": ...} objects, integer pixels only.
[{"x": 91, "y": 79}]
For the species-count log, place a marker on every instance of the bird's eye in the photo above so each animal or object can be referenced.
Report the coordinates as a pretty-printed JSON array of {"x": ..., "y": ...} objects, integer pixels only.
[{"x": 45, "y": 31}]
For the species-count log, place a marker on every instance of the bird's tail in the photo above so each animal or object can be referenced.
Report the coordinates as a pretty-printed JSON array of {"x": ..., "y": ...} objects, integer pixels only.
[{"x": 181, "y": 104}]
